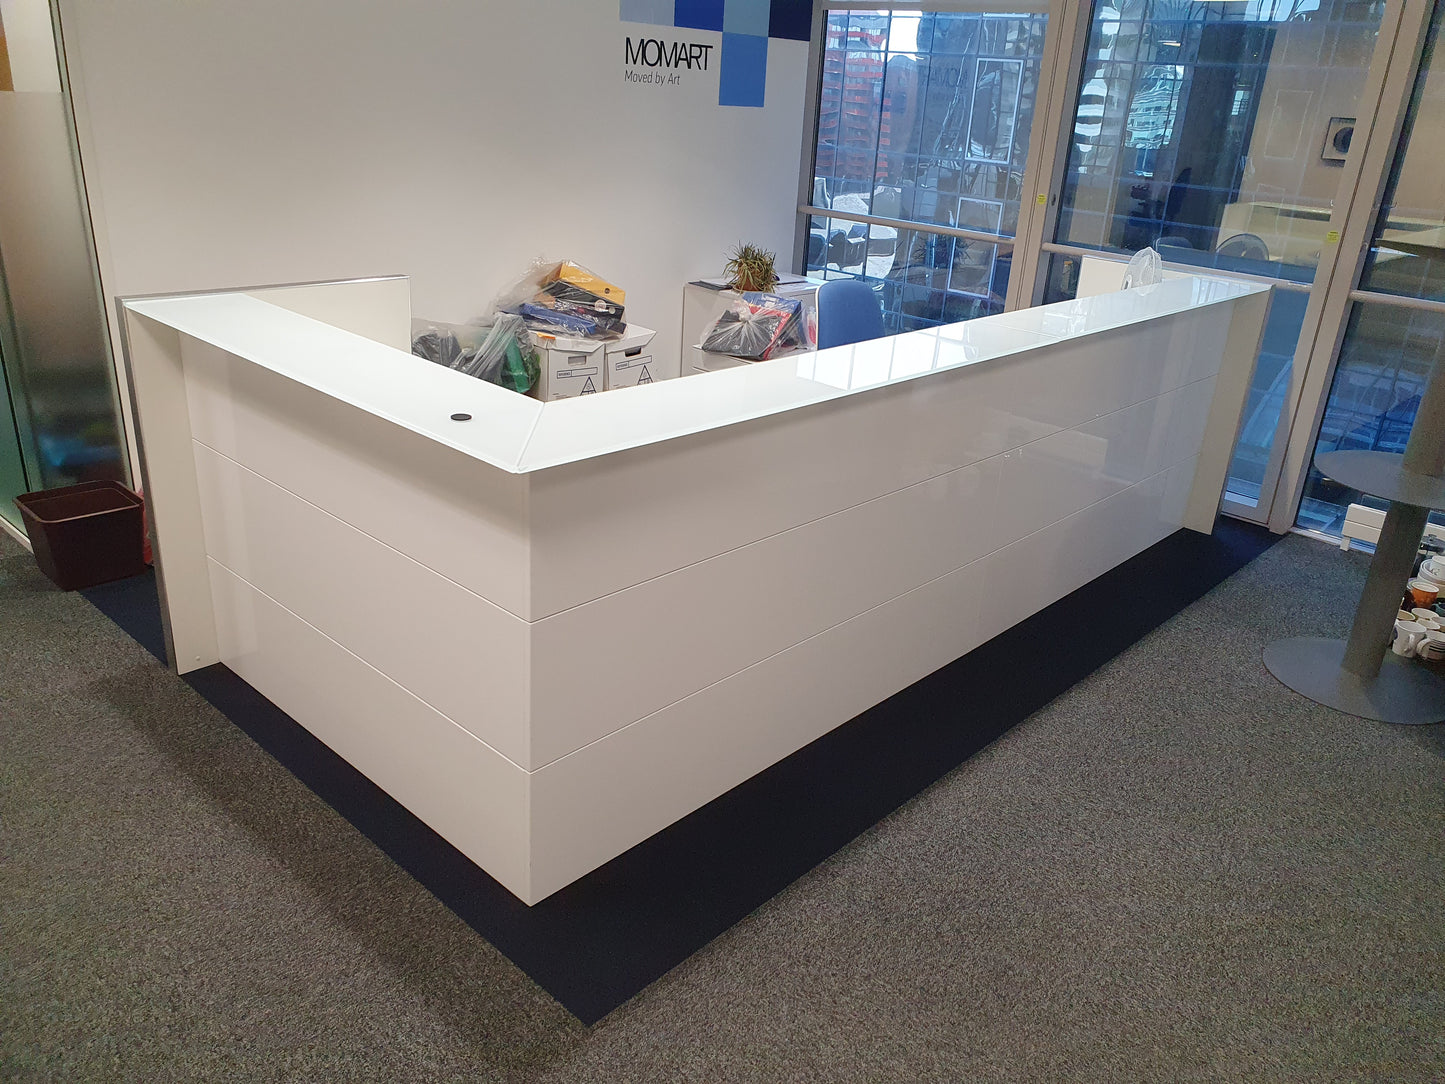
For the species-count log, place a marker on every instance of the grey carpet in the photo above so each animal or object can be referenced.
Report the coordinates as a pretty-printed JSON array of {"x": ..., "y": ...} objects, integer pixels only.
[{"x": 1178, "y": 871}]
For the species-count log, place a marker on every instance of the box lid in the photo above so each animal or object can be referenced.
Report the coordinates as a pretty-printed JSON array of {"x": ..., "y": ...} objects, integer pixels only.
[
  {"x": 548, "y": 341},
  {"x": 635, "y": 336}
]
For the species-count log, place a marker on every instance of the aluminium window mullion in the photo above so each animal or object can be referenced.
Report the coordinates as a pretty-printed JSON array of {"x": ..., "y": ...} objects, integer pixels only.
[
  {"x": 878, "y": 129},
  {"x": 941, "y": 230},
  {"x": 1066, "y": 40},
  {"x": 812, "y": 113}
]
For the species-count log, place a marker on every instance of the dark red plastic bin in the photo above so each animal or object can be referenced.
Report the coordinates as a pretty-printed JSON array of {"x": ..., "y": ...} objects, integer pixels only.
[{"x": 86, "y": 534}]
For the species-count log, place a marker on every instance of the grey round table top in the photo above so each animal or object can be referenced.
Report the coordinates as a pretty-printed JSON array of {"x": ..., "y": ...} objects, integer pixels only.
[{"x": 1382, "y": 474}]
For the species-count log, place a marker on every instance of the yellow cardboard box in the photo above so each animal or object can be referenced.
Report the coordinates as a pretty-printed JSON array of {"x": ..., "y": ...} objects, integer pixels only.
[{"x": 577, "y": 275}]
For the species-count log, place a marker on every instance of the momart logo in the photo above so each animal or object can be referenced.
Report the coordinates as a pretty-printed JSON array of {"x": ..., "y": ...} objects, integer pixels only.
[
  {"x": 656, "y": 53},
  {"x": 745, "y": 27}
]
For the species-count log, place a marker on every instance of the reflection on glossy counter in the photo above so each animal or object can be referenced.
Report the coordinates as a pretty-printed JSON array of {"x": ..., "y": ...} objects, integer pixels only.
[{"x": 519, "y": 434}]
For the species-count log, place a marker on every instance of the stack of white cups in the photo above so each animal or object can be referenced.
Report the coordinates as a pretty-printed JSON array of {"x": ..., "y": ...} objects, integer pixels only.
[
  {"x": 1433, "y": 569},
  {"x": 1420, "y": 632}
]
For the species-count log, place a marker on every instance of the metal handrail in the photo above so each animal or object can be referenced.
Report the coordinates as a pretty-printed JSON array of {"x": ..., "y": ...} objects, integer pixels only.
[
  {"x": 1190, "y": 268},
  {"x": 902, "y": 224}
]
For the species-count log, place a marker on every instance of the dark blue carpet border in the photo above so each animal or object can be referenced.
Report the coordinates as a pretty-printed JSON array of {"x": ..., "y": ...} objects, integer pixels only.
[{"x": 601, "y": 940}]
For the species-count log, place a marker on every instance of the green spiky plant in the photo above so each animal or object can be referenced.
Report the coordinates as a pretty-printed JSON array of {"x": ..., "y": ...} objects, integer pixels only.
[{"x": 751, "y": 269}]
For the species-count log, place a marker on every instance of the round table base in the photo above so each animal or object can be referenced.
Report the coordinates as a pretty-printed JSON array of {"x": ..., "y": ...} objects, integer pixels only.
[{"x": 1405, "y": 692}]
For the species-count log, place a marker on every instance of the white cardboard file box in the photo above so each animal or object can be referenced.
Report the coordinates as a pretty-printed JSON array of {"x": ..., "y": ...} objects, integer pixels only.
[
  {"x": 629, "y": 361},
  {"x": 584, "y": 366},
  {"x": 569, "y": 367}
]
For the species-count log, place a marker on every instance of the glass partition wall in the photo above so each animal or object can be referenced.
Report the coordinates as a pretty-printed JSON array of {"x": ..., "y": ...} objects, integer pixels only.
[
  {"x": 1394, "y": 341},
  {"x": 59, "y": 410},
  {"x": 1217, "y": 132}
]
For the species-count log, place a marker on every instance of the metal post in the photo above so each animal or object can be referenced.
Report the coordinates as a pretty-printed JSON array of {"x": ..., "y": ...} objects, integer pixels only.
[
  {"x": 1425, "y": 451},
  {"x": 1394, "y": 556}
]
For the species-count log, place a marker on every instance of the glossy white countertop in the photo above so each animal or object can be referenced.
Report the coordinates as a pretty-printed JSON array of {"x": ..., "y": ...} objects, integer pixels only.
[{"x": 518, "y": 434}]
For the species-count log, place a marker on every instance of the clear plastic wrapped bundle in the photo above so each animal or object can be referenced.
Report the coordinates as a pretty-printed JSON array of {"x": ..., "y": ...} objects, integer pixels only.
[
  {"x": 758, "y": 327},
  {"x": 435, "y": 343},
  {"x": 565, "y": 298},
  {"x": 500, "y": 351}
]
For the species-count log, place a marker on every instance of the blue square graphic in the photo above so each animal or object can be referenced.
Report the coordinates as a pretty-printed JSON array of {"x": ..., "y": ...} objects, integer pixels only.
[
  {"x": 743, "y": 79},
  {"x": 746, "y": 17},
  {"x": 657, "y": 12},
  {"x": 699, "y": 14},
  {"x": 791, "y": 19}
]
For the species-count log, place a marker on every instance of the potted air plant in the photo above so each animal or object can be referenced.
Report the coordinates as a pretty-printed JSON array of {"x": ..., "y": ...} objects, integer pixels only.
[{"x": 750, "y": 269}]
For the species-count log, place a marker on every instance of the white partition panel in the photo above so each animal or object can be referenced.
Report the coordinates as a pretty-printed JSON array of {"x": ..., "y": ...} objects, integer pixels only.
[
  {"x": 379, "y": 309},
  {"x": 600, "y": 800},
  {"x": 1101, "y": 275}
]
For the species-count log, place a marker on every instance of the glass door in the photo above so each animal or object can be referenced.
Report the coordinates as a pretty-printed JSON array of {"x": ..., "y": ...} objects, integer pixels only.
[
  {"x": 1394, "y": 337},
  {"x": 921, "y": 152},
  {"x": 59, "y": 407},
  {"x": 1218, "y": 132}
]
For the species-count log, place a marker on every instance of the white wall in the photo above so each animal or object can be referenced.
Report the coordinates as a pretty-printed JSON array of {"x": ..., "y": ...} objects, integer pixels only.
[{"x": 233, "y": 143}]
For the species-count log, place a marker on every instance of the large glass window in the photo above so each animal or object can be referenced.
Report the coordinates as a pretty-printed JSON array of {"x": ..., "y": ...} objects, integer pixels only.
[
  {"x": 924, "y": 120},
  {"x": 1217, "y": 132},
  {"x": 1395, "y": 339},
  {"x": 59, "y": 412}
]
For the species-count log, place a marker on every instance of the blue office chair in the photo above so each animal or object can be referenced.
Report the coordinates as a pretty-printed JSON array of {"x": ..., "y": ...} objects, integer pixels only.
[{"x": 848, "y": 312}]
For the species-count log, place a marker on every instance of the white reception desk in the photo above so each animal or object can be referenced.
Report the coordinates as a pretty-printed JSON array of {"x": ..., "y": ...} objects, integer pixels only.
[{"x": 554, "y": 629}]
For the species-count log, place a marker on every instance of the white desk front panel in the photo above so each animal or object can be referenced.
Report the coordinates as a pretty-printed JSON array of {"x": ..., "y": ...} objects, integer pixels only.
[{"x": 640, "y": 598}]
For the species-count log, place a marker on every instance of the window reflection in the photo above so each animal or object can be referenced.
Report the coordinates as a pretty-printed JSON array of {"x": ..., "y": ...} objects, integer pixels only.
[
  {"x": 994, "y": 110},
  {"x": 924, "y": 117},
  {"x": 1408, "y": 253},
  {"x": 1201, "y": 129}
]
